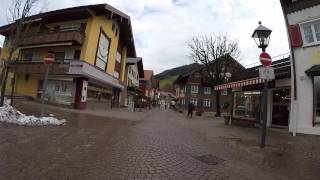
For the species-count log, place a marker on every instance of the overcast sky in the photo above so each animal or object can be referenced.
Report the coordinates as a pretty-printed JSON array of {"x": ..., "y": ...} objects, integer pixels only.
[{"x": 162, "y": 28}]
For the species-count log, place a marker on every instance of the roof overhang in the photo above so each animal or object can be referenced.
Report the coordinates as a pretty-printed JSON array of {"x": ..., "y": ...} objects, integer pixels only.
[
  {"x": 314, "y": 70},
  {"x": 84, "y": 12},
  {"x": 138, "y": 61},
  {"x": 92, "y": 73}
]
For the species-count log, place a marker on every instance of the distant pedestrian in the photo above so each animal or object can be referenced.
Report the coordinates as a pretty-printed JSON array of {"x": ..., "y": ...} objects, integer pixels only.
[{"x": 190, "y": 109}]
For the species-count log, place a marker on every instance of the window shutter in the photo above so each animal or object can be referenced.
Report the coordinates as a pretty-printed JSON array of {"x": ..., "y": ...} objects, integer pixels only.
[{"x": 295, "y": 35}]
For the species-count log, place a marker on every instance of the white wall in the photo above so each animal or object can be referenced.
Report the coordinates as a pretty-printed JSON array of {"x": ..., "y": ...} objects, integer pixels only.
[
  {"x": 304, "y": 59},
  {"x": 130, "y": 76}
]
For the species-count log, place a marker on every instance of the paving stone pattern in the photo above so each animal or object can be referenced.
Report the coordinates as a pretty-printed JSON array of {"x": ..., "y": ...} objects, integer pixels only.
[{"x": 158, "y": 146}]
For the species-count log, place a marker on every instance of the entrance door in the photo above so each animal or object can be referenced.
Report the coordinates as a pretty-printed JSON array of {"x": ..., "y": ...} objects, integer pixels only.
[{"x": 280, "y": 110}]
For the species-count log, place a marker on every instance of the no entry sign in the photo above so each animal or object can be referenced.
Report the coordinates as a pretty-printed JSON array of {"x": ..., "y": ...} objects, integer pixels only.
[
  {"x": 265, "y": 59},
  {"x": 49, "y": 58}
]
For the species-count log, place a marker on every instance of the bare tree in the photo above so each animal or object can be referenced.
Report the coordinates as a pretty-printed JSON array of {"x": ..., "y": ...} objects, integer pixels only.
[
  {"x": 18, "y": 21},
  {"x": 214, "y": 53}
]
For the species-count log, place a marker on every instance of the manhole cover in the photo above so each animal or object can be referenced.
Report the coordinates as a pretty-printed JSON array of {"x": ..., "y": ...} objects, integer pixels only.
[{"x": 210, "y": 159}]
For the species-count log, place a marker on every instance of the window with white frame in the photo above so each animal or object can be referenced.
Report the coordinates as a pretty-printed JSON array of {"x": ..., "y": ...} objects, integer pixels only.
[
  {"x": 194, "y": 101},
  {"x": 194, "y": 89},
  {"x": 207, "y": 90},
  {"x": 206, "y": 103},
  {"x": 311, "y": 32},
  {"x": 183, "y": 101}
]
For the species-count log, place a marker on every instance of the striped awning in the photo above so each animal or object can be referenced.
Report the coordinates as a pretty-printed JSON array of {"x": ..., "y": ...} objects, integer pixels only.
[{"x": 246, "y": 82}]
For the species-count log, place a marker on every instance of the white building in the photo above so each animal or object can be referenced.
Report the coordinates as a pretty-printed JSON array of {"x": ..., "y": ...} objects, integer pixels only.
[
  {"x": 303, "y": 24},
  {"x": 134, "y": 71}
]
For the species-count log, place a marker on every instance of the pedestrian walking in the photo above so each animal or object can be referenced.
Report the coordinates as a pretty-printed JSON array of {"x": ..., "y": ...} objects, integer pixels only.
[{"x": 190, "y": 109}]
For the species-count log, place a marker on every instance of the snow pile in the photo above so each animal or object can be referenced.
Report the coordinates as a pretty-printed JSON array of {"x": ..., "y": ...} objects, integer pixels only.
[{"x": 10, "y": 115}]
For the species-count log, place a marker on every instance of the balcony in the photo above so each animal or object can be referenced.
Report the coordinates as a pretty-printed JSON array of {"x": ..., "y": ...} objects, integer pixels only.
[{"x": 74, "y": 36}]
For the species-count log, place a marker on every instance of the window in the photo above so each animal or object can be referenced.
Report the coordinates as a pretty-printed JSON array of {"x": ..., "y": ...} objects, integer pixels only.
[
  {"x": 194, "y": 89},
  {"x": 116, "y": 74},
  {"x": 117, "y": 31},
  {"x": 118, "y": 57},
  {"x": 102, "y": 51},
  {"x": 185, "y": 89},
  {"x": 316, "y": 89},
  {"x": 183, "y": 101},
  {"x": 224, "y": 92},
  {"x": 207, "y": 90},
  {"x": 311, "y": 33},
  {"x": 194, "y": 101},
  {"x": 27, "y": 56},
  {"x": 59, "y": 56},
  {"x": 57, "y": 87},
  {"x": 247, "y": 105},
  {"x": 206, "y": 103},
  {"x": 76, "y": 55}
]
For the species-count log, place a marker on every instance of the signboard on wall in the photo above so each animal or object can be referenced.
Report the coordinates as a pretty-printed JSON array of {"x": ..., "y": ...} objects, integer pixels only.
[
  {"x": 84, "y": 91},
  {"x": 266, "y": 73}
]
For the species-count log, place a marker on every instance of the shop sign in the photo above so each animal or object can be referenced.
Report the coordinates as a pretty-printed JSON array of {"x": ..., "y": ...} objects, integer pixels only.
[{"x": 266, "y": 73}]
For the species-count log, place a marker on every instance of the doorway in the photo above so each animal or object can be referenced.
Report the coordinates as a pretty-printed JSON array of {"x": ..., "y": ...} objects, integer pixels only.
[{"x": 281, "y": 107}]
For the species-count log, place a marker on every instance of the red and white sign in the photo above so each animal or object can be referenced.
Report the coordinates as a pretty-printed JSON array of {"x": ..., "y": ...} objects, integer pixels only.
[
  {"x": 265, "y": 59},
  {"x": 49, "y": 58}
]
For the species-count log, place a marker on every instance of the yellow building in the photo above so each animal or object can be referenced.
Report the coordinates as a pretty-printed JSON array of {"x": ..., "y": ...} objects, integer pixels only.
[{"x": 90, "y": 46}]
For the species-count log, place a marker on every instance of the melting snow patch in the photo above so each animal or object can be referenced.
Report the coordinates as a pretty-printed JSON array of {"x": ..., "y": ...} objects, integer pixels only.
[{"x": 10, "y": 115}]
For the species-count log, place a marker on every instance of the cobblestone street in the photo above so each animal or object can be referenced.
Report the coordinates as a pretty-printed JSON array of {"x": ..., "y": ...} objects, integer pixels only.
[{"x": 154, "y": 144}]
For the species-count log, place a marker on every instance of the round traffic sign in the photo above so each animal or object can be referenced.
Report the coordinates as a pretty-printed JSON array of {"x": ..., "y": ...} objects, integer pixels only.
[
  {"x": 49, "y": 58},
  {"x": 265, "y": 59}
]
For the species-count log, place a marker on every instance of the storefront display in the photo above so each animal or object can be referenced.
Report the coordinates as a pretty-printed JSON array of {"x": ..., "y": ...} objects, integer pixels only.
[{"x": 247, "y": 105}]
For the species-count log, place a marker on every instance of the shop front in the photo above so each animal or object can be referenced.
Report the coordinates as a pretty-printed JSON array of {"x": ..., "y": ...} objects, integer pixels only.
[{"x": 247, "y": 94}]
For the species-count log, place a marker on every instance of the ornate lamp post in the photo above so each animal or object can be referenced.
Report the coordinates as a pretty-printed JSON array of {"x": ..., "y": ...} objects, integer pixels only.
[{"x": 261, "y": 35}]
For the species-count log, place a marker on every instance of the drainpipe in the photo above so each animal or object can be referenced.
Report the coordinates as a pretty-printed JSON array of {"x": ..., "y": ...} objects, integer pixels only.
[{"x": 294, "y": 114}]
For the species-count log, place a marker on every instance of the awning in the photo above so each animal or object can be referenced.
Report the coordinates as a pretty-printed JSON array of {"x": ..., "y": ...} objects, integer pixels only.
[
  {"x": 92, "y": 73},
  {"x": 313, "y": 71},
  {"x": 236, "y": 84}
]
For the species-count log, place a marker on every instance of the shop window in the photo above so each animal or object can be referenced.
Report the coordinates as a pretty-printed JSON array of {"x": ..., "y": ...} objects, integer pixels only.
[
  {"x": 207, "y": 90},
  {"x": 247, "y": 105},
  {"x": 194, "y": 89},
  {"x": 224, "y": 92},
  {"x": 57, "y": 87},
  {"x": 64, "y": 88},
  {"x": 316, "y": 87}
]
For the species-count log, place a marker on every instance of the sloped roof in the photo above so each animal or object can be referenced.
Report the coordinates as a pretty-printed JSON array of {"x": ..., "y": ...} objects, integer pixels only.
[
  {"x": 83, "y": 12},
  {"x": 147, "y": 75},
  {"x": 138, "y": 61}
]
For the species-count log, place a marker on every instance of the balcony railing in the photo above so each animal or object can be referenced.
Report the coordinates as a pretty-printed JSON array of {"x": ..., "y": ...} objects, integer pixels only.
[{"x": 75, "y": 36}]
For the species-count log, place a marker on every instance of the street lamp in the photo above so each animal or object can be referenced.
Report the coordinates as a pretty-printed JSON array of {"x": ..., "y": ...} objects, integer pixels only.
[{"x": 261, "y": 36}]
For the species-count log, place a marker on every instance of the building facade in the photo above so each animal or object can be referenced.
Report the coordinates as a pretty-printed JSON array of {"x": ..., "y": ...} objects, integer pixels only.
[
  {"x": 197, "y": 88},
  {"x": 131, "y": 92},
  {"x": 246, "y": 88},
  {"x": 303, "y": 25},
  {"x": 91, "y": 45}
]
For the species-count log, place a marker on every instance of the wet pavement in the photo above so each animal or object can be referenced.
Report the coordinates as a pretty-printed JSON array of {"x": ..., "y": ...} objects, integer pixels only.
[{"x": 154, "y": 144}]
